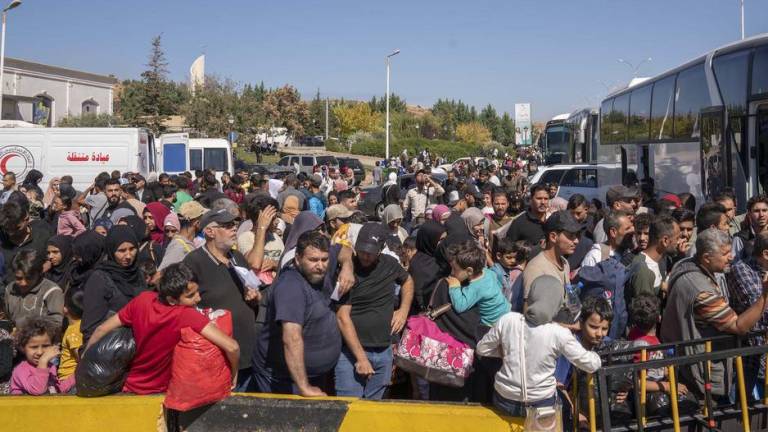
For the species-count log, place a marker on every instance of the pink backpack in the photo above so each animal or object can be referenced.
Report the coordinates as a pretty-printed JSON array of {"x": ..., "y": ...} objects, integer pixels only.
[{"x": 432, "y": 354}]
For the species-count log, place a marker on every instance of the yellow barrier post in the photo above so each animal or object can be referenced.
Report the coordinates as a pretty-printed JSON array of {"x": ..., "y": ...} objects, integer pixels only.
[
  {"x": 591, "y": 394},
  {"x": 643, "y": 390},
  {"x": 575, "y": 398},
  {"x": 673, "y": 398},
  {"x": 742, "y": 394}
]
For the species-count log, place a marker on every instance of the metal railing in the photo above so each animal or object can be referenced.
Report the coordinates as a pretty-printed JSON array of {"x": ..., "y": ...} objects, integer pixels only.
[{"x": 621, "y": 362}]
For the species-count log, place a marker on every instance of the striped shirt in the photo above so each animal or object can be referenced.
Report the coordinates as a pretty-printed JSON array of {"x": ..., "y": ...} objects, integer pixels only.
[{"x": 712, "y": 309}]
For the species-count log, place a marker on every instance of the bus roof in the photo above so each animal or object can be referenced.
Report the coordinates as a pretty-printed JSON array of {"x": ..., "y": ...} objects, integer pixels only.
[{"x": 749, "y": 42}]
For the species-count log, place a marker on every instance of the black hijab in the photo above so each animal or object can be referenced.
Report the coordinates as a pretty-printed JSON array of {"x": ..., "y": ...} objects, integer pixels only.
[
  {"x": 137, "y": 225},
  {"x": 457, "y": 233},
  {"x": 87, "y": 251},
  {"x": 128, "y": 280},
  {"x": 62, "y": 273},
  {"x": 423, "y": 267}
]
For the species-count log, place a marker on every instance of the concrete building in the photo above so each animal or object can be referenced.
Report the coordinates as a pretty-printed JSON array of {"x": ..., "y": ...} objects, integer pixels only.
[{"x": 44, "y": 94}]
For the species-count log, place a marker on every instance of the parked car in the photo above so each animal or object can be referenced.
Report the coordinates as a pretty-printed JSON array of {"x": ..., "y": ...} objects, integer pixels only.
[
  {"x": 371, "y": 200},
  {"x": 479, "y": 161},
  {"x": 312, "y": 141},
  {"x": 589, "y": 180},
  {"x": 307, "y": 162},
  {"x": 357, "y": 168}
]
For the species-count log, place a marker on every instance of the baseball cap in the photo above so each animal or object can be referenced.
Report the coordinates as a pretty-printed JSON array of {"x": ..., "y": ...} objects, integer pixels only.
[
  {"x": 219, "y": 217},
  {"x": 473, "y": 190},
  {"x": 369, "y": 239},
  {"x": 337, "y": 211},
  {"x": 619, "y": 192},
  {"x": 561, "y": 221},
  {"x": 674, "y": 199},
  {"x": 453, "y": 198},
  {"x": 191, "y": 210}
]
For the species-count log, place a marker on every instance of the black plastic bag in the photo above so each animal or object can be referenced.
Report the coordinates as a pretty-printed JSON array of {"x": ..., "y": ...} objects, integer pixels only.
[
  {"x": 658, "y": 403},
  {"x": 104, "y": 366}
]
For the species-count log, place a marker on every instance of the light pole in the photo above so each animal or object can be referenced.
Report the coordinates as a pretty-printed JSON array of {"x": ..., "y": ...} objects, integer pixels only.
[
  {"x": 13, "y": 4},
  {"x": 386, "y": 139},
  {"x": 231, "y": 121},
  {"x": 741, "y": 4},
  {"x": 635, "y": 69}
]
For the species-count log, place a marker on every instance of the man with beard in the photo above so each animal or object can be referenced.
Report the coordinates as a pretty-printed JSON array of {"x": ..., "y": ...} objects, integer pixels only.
[
  {"x": 300, "y": 343},
  {"x": 757, "y": 218},
  {"x": 528, "y": 226},
  {"x": 114, "y": 193},
  {"x": 620, "y": 232},
  {"x": 426, "y": 192},
  {"x": 619, "y": 198},
  {"x": 647, "y": 278},
  {"x": 501, "y": 215},
  {"x": 214, "y": 266}
]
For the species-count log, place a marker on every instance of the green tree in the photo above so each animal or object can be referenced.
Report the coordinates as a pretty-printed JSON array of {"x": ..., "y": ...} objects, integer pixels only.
[
  {"x": 208, "y": 111},
  {"x": 508, "y": 127},
  {"x": 89, "y": 120},
  {"x": 316, "y": 120},
  {"x": 396, "y": 104},
  {"x": 490, "y": 120},
  {"x": 156, "y": 99}
]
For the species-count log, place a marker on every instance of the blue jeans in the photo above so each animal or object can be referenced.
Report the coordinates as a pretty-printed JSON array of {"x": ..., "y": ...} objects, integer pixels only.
[
  {"x": 266, "y": 383},
  {"x": 349, "y": 383}
]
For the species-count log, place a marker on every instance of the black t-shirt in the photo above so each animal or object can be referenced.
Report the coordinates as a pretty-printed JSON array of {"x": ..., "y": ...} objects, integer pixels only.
[
  {"x": 37, "y": 240},
  {"x": 373, "y": 300},
  {"x": 526, "y": 227},
  {"x": 294, "y": 300},
  {"x": 221, "y": 288}
]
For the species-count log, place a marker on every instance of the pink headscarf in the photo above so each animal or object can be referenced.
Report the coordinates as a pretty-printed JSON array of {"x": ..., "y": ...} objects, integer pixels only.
[{"x": 439, "y": 211}]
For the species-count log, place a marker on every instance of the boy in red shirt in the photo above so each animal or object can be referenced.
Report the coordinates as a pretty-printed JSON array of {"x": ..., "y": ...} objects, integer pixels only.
[{"x": 156, "y": 319}]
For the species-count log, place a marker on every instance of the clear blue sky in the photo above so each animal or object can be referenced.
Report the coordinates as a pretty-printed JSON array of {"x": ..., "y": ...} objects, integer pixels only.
[{"x": 553, "y": 54}]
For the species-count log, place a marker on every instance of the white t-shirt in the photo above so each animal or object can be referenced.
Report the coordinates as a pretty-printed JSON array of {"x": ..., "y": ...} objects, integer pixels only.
[
  {"x": 654, "y": 267},
  {"x": 594, "y": 256}
]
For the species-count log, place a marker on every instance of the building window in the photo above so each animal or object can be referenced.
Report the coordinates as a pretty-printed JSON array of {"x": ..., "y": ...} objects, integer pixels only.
[
  {"x": 41, "y": 110},
  {"x": 90, "y": 106}
]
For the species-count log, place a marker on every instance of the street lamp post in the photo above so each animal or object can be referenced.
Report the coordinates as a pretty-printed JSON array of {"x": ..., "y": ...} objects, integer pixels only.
[
  {"x": 741, "y": 4},
  {"x": 13, "y": 4},
  {"x": 635, "y": 69},
  {"x": 231, "y": 121},
  {"x": 386, "y": 139}
]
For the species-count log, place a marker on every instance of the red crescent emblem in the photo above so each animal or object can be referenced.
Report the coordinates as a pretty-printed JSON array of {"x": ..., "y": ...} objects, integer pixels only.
[{"x": 4, "y": 162}]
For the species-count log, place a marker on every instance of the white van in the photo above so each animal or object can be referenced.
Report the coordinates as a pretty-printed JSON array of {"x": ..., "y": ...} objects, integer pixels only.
[
  {"x": 592, "y": 181},
  {"x": 82, "y": 153},
  {"x": 179, "y": 153}
]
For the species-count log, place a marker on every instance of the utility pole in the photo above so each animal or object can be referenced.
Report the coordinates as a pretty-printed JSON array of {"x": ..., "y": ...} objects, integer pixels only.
[
  {"x": 741, "y": 2},
  {"x": 326, "y": 119}
]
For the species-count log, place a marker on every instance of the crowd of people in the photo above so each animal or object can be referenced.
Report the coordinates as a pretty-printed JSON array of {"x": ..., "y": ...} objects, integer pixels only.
[{"x": 319, "y": 295}]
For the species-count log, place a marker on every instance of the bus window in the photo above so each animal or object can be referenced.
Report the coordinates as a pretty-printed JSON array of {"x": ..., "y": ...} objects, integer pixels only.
[
  {"x": 712, "y": 162},
  {"x": 605, "y": 126},
  {"x": 760, "y": 72},
  {"x": 215, "y": 159},
  {"x": 618, "y": 118},
  {"x": 195, "y": 159},
  {"x": 731, "y": 72},
  {"x": 661, "y": 109},
  {"x": 762, "y": 150},
  {"x": 639, "y": 114},
  {"x": 691, "y": 95}
]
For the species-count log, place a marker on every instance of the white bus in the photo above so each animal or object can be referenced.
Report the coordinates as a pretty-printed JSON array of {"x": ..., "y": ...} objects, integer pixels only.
[
  {"x": 572, "y": 138},
  {"x": 699, "y": 128}
]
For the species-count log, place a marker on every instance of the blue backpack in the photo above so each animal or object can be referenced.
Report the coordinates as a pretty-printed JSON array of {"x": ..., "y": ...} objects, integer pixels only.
[{"x": 607, "y": 279}]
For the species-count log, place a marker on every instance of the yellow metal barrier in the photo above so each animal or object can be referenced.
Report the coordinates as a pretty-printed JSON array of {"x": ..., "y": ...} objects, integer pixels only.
[
  {"x": 643, "y": 390},
  {"x": 591, "y": 395},
  {"x": 673, "y": 398},
  {"x": 742, "y": 393}
]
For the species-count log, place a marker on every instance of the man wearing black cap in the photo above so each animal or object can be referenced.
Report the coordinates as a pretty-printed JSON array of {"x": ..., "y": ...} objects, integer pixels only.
[
  {"x": 220, "y": 287},
  {"x": 562, "y": 235},
  {"x": 366, "y": 317},
  {"x": 528, "y": 226},
  {"x": 618, "y": 198},
  {"x": 472, "y": 195}
]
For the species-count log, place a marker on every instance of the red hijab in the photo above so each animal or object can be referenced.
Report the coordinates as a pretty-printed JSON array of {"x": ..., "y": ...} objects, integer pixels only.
[{"x": 159, "y": 212}]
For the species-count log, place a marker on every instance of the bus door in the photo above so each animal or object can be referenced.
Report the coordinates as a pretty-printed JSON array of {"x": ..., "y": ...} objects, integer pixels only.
[
  {"x": 715, "y": 174},
  {"x": 174, "y": 151},
  {"x": 761, "y": 148}
]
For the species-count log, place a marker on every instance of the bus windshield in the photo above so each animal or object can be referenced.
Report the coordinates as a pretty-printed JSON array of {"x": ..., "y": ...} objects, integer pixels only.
[{"x": 558, "y": 139}]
